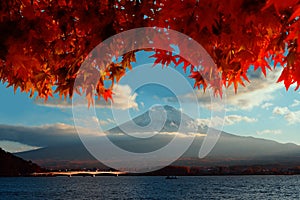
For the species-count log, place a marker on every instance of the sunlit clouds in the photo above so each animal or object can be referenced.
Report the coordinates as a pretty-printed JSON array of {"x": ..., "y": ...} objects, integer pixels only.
[
  {"x": 123, "y": 98},
  {"x": 292, "y": 117}
]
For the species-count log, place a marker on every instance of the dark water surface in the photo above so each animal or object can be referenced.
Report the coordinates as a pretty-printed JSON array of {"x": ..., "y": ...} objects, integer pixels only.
[{"x": 124, "y": 187}]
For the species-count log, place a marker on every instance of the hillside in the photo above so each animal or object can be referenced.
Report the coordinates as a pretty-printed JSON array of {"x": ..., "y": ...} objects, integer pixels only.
[{"x": 14, "y": 166}]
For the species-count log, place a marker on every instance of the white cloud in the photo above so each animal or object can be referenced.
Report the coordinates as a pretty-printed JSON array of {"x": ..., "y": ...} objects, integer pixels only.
[
  {"x": 268, "y": 131},
  {"x": 177, "y": 134},
  {"x": 228, "y": 120},
  {"x": 62, "y": 128},
  {"x": 111, "y": 120},
  {"x": 204, "y": 122},
  {"x": 281, "y": 110},
  {"x": 295, "y": 103},
  {"x": 292, "y": 117},
  {"x": 16, "y": 147},
  {"x": 66, "y": 128},
  {"x": 233, "y": 119},
  {"x": 214, "y": 122},
  {"x": 142, "y": 104},
  {"x": 54, "y": 103},
  {"x": 259, "y": 91},
  {"x": 122, "y": 99},
  {"x": 106, "y": 122},
  {"x": 103, "y": 122},
  {"x": 266, "y": 105},
  {"x": 183, "y": 135}
]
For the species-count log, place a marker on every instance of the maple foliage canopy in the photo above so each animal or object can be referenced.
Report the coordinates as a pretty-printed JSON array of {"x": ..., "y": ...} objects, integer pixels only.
[{"x": 44, "y": 42}]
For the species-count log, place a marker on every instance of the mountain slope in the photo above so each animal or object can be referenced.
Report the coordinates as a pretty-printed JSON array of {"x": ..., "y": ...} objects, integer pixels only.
[
  {"x": 230, "y": 149},
  {"x": 160, "y": 119},
  {"x": 14, "y": 166}
]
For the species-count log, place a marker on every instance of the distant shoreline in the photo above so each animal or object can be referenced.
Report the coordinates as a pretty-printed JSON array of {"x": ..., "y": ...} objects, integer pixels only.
[
  {"x": 134, "y": 175},
  {"x": 176, "y": 171}
]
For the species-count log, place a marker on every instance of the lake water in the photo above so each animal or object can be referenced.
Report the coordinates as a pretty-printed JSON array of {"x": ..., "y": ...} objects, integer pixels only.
[{"x": 150, "y": 188}]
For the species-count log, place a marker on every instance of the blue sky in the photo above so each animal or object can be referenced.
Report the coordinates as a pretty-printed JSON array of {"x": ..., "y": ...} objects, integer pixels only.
[{"x": 263, "y": 109}]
